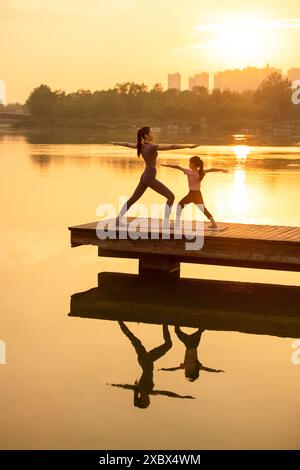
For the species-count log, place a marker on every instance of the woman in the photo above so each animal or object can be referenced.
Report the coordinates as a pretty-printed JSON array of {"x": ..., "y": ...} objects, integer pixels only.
[{"x": 148, "y": 150}]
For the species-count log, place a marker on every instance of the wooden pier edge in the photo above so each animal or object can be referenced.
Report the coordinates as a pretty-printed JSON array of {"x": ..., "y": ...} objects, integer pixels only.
[{"x": 239, "y": 245}]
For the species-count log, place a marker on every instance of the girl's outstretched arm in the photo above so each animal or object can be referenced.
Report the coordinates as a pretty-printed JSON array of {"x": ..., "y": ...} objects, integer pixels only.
[
  {"x": 176, "y": 146},
  {"x": 211, "y": 170},
  {"x": 124, "y": 144},
  {"x": 176, "y": 167}
]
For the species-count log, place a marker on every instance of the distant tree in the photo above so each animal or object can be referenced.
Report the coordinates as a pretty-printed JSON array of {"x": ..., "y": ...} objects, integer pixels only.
[
  {"x": 274, "y": 97},
  {"x": 82, "y": 92},
  {"x": 42, "y": 101},
  {"x": 200, "y": 90},
  {"x": 157, "y": 88},
  {"x": 216, "y": 95},
  {"x": 130, "y": 88},
  {"x": 15, "y": 108}
]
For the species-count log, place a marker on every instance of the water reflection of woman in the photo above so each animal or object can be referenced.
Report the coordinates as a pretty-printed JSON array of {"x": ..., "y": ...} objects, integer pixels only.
[
  {"x": 144, "y": 387},
  {"x": 191, "y": 363}
]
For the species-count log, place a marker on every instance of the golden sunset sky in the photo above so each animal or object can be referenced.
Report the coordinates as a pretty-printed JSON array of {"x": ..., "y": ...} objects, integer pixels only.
[{"x": 92, "y": 44}]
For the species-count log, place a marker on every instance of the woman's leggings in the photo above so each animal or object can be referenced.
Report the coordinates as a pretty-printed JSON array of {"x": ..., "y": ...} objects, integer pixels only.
[
  {"x": 148, "y": 180},
  {"x": 196, "y": 198}
]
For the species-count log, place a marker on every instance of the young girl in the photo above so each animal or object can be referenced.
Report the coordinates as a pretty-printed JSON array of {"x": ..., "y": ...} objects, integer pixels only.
[{"x": 195, "y": 175}]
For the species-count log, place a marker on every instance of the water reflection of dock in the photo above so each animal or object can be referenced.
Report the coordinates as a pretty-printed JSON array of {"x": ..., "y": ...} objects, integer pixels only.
[{"x": 212, "y": 305}]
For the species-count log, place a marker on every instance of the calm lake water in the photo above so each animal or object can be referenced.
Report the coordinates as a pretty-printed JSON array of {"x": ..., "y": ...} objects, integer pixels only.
[{"x": 55, "y": 387}]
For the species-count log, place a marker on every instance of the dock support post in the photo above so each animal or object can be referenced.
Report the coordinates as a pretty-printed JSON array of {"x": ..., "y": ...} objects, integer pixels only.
[{"x": 159, "y": 265}]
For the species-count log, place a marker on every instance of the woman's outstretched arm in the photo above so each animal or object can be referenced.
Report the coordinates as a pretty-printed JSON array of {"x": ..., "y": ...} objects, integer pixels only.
[
  {"x": 176, "y": 146},
  {"x": 124, "y": 144}
]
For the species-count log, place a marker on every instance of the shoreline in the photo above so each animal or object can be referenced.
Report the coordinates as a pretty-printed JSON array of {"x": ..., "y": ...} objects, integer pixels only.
[{"x": 279, "y": 135}]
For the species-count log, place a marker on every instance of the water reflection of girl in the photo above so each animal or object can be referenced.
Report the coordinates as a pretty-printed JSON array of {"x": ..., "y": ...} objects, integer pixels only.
[{"x": 191, "y": 363}]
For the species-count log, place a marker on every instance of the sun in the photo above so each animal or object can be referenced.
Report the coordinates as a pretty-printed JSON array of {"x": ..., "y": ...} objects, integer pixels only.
[
  {"x": 239, "y": 46},
  {"x": 241, "y": 41}
]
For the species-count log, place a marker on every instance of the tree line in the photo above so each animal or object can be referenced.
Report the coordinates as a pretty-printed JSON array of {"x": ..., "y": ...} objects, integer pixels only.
[{"x": 271, "y": 102}]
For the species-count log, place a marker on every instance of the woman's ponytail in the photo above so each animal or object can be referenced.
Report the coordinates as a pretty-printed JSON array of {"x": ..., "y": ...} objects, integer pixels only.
[
  {"x": 140, "y": 137},
  {"x": 139, "y": 143}
]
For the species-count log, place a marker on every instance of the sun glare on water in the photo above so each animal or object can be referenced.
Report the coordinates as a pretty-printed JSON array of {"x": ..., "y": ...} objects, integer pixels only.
[{"x": 241, "y": 151}]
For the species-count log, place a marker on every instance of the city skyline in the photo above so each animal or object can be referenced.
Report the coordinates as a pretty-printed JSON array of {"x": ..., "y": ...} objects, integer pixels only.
[{"x": 248, "y": 78}]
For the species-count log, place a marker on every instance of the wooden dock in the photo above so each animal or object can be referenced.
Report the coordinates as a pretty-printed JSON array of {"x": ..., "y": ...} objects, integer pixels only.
[
  {"x": 211, "y": 305},
  {"x": 241, "y": 245}
]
